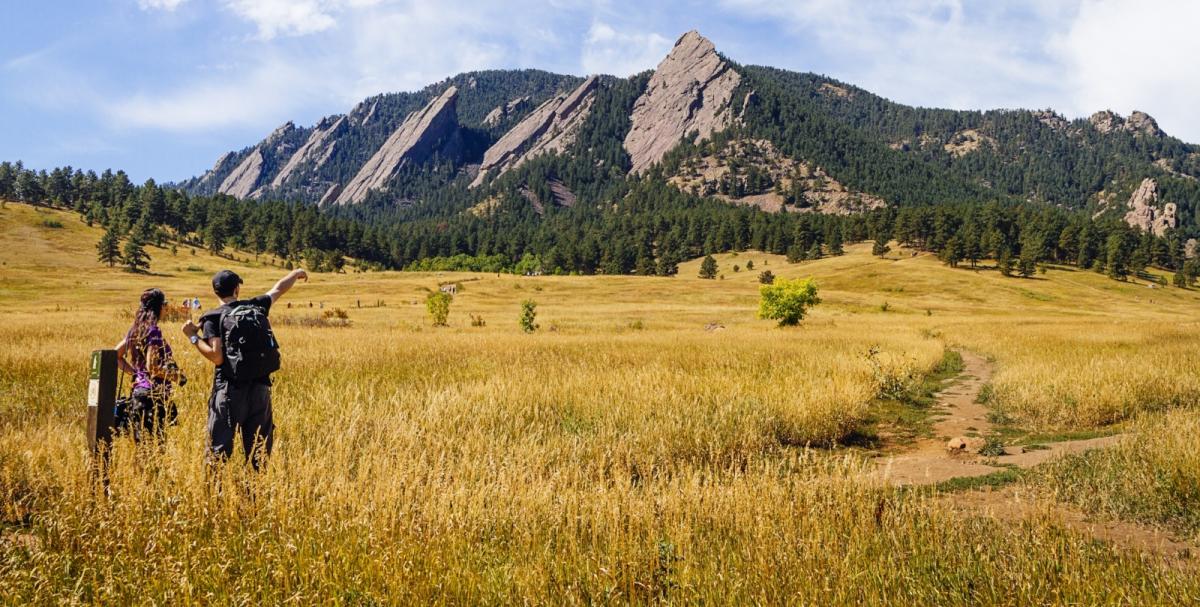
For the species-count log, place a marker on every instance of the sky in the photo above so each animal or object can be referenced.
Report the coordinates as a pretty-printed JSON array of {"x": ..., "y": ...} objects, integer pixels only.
[{"x": 161, "y": 88}]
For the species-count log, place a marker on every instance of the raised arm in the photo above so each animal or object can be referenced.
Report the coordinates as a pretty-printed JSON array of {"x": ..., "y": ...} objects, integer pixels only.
[{"x": 286, "y": 284}]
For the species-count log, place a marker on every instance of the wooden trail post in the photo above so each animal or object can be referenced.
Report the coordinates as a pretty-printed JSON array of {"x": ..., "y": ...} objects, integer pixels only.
[{"x": 102, "y": 399}]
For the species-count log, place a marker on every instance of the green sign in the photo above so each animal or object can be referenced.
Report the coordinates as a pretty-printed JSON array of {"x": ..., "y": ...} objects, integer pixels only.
[{"x": 95, "y": 373}]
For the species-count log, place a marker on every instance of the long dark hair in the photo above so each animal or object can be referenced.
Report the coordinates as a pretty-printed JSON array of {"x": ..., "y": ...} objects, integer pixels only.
[{"x": 149, "y": 310}]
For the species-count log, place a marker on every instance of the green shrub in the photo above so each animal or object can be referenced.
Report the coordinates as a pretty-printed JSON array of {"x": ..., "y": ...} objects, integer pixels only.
[
  {"x": 528, "y": 319},
  {"x": 787, "y": 301},
  {"x": 438, "y": 305}
]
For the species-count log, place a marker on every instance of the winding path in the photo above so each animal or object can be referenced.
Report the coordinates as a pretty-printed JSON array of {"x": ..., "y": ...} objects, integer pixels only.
[{"x": 960, "y": 414}]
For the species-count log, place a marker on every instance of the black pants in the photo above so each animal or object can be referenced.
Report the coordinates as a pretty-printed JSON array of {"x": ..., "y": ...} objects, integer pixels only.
[
  {"x": 241, "y": 409},
  {"x": 149, "y": 414}
]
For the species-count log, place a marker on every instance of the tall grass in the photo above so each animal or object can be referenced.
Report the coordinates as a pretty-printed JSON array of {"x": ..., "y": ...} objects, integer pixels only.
[
  {"x": 1072, "y": 374},
  {"x": 589, "y": 465},
  {"x": 1152, "y": 476}
]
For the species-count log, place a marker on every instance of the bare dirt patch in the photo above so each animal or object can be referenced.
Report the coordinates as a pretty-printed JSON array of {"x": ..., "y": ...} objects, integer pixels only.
[{"x": 961, "y": 415}]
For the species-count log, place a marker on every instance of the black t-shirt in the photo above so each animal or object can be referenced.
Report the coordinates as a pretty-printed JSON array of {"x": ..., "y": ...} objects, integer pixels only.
[{"x": 210, "y": 326}]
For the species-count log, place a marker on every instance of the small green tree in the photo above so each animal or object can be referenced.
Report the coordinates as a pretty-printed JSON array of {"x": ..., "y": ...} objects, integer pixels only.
[
  {"x": 1180, "y": 279},
  {"x": 109, "y": 247},
  {"x": 708, "y": 268},
  {"x": 528, "y": 319},
  {"x": 766, "y": 277},
  {"x": 134, "y": 255},
  {"x": 749, "y": 265},
  {"x": 787, "y": 301},
  {"x": 438, "y": 305},
  {"x": 880, "y": 248}
]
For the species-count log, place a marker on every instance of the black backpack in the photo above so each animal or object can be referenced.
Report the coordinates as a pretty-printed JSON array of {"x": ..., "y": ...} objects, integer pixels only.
[{"x": 250, "y": 347}]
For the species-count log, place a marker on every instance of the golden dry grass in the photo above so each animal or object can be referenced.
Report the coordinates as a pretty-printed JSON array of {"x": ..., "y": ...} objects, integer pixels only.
[{"x": 595, "y": 462}]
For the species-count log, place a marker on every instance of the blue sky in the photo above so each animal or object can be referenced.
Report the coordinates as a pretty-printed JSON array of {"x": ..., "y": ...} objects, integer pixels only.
[{"x": 161, "y": 88}]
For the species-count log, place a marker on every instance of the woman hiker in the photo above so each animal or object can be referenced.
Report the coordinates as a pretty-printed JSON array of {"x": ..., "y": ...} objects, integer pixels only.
[{"x": 146, "y": 357}]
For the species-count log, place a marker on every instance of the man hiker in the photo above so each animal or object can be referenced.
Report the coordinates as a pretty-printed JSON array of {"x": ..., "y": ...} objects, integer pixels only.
[{"x": 236, "y": 337}]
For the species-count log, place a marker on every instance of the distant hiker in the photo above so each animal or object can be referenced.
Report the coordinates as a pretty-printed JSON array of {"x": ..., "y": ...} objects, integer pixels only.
[
  {"x": 196, "y": 304},
  {"x": 147, "y": 358},
  {"x": 237, "y": 338}
]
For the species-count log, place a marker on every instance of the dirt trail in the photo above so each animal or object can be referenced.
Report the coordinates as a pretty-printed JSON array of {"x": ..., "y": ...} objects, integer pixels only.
[
  {"x": 929, "y": 462},
  {"x": 961, "y": 415}
]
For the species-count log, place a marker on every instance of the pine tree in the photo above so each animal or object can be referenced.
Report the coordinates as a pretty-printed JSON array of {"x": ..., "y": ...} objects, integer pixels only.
[
  {"x": 109, "y": 247},
  {"x": 134, "y": 255},
  {"x": 708, "y": 267},
  {"x": 1118, "y": 255}
]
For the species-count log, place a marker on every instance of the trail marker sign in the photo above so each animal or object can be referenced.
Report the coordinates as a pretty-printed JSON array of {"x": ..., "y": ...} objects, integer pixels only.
[{"x": 102, "y": 398}]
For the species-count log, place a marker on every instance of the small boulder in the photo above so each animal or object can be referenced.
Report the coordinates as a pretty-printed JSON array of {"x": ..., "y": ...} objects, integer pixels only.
[{"x": 957, "y": 444}]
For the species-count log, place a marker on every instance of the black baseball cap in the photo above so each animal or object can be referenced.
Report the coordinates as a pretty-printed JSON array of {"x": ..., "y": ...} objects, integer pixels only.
[{"x": 224, "y": 282}]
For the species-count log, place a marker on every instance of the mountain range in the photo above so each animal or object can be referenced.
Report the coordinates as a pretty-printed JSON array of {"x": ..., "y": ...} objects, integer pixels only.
[{"x": 778, "y": 140}]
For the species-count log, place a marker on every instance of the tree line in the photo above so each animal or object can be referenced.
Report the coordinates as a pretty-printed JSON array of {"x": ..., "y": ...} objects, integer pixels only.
[{"x": 647, "y": 227}]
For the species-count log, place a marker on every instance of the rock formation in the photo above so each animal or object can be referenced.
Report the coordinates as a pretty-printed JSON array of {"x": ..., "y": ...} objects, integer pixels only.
[
  {"x": 1106, "y": 121},
  {"x": 966, "y": 141},
  {"x": 242, "y": 181},
  {"x": 316, "y": 150},
  {"x": 689, "y": 92},
  {"x": 1144, "y": 213},
  {"x": 1190, "y": 248},
  {"x": 1139, "y": 123},
  {"x": 220, "y": 167},
  {"x": 549, "y": 128},
  {"x": 502, "y": 112},
  {"x": 821, "y": 193},
  {"x": 1051, "y": 119},
  {"x": 432, "y": 128}
]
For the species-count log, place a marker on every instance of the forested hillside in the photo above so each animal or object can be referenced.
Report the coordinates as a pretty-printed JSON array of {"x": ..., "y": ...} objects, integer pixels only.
[{"x": 633, "y": 175}]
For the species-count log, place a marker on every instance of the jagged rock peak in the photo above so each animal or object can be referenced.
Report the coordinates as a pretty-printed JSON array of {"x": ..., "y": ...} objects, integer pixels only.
[
  {"x": 1106, "y": 121},
  {"x": 549, "y": 128},
  {"x": 280, "y": 132},
  {"x": 1144, "y": 212},
  {"x": 1051, "y": 119},
  {"x": 317, "y": 149},
  {"x": 1141, "y": 122},
  {"x": 423, "y": 132},
  {"x": 218, "y": 168},
  {"x": 689, "y": 91},
  {"x": 501, "y": 112}
]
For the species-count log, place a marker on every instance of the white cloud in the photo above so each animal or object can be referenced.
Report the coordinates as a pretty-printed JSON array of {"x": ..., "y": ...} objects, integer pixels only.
[
  {"x": 164, "y": 5},
  {"x": 285, "y": 17},
  {"x": 1076, "y": 56},
  {"x": 256, "y": 97},
  {"x": 930, "y": 52},
  {"x": 371, "y": 47},
  {"x": 607, "y": 51},
  {"x": 1125, "y": 56}
]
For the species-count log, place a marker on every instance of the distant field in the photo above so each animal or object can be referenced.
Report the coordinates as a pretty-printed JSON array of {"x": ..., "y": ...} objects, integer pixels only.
[{"x": 653, "y": 441}]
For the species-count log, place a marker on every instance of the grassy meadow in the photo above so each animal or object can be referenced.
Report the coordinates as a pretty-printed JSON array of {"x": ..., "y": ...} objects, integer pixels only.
[{"x": 652, "y": 442}]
